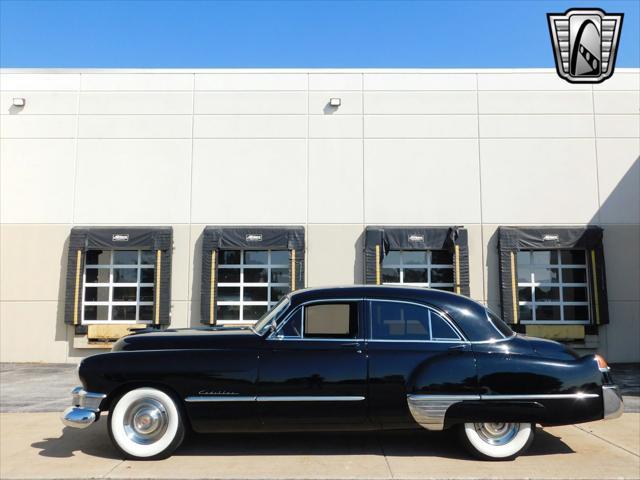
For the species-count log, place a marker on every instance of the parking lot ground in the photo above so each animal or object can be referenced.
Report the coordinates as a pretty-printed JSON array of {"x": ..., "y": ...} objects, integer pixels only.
[{"x": 36, "y": 445}]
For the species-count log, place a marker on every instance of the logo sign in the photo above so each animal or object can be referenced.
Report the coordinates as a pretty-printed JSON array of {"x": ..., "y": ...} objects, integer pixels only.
[
  {"x": 550, "y": 238},
  {"x": 253, "y": 237},
  {"x": 120, "y": 237},
  {"x": 585, "y": 43},
  {"x": 416, "y": 238}
]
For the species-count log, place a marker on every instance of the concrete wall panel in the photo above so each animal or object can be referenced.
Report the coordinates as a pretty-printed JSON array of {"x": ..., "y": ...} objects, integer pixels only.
[
  {"x": 137, "y": 81},
  {"x": 38, "y": 126},
  {"x": 619, "y": 180},
  {"x": 335, "y": 126},
  {"x": 39, "y": 103},
  {"x": 421, "y": 126},
  {"x": 535, "y": 102},
  {"x": 536, "y": 126},
  {"x": 399, "y": 103},
  {"x": 250, "y": 81},
  {"x": 40, "y": 81},
  {"x": 250, "y": 126},
  {"x": 274, "y": 103},
  {"x": 419, "y": 81},
  {"x": 135, "y": 126},
  {"x": 334, "y": 254}
]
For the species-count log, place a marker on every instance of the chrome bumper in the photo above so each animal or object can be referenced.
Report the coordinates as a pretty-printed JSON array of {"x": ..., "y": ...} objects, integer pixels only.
[
  {"x": 612, "y": 400},
  {"x": 84, "y": 409}
]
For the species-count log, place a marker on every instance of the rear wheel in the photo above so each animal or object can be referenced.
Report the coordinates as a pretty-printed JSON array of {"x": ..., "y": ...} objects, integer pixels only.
[
  {"x": 497, "y": 441},
  {"x": 146, "y": 424}
]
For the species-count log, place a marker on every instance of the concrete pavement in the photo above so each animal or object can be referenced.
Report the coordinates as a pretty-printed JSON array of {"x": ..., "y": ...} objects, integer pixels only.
[{"x": 36, "y": 445}]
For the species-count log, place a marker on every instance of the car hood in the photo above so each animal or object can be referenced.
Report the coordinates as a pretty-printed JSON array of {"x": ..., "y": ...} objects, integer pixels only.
[{"x": 189, "y": 338}]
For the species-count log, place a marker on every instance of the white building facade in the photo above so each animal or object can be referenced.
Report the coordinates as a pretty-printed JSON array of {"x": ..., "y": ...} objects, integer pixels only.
[{"x": 177, "y": 198}]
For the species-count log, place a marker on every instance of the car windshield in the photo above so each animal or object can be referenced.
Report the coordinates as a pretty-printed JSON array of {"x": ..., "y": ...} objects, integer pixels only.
[
  {"x": 262, "y": 325},
  {"x": 497, "y": 322}
]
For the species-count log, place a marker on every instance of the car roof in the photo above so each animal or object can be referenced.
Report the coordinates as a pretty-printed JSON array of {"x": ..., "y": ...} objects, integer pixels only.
[{"x": 469, "y": 315}]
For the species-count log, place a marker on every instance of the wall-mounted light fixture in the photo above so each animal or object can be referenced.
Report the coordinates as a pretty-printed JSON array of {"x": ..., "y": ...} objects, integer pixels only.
[
  {"x": 335, "y": 102},
  {"x": 18, "y": 102}
]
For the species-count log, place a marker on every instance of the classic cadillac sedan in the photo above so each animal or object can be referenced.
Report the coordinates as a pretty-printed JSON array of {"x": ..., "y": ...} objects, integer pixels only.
[{"x": 344, "y": 358}]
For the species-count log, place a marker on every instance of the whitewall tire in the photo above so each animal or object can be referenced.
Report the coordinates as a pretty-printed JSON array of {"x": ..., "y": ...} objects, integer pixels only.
[
  {"x": 497, "y": 441},
  {"x": 146, "y": 424}
]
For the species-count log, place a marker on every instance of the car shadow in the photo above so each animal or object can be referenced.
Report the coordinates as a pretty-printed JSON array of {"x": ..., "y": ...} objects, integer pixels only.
[{"x": 95, "y": 442}]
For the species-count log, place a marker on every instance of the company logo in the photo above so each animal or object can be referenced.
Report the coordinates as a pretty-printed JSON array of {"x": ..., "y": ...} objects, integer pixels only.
[
  {"x": 550, "y": 238},
  {"x": 416, "y": 238},
  {"x": 253, "y": 237},
  {"x": 585, "y": 43},
  {"x": 120, "y": 237}
]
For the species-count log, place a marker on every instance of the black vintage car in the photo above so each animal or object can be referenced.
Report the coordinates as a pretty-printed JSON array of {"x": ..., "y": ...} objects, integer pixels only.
[{"x": 345, "y": 358}]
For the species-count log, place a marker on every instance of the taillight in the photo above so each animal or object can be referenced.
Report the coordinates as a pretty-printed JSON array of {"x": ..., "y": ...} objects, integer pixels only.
[{"x": 602, "y": 363}]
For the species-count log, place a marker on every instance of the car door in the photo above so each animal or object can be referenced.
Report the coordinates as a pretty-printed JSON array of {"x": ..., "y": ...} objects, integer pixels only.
[
  {"x": 413, "y": 349},
  {"x": 313, "y": 369}
]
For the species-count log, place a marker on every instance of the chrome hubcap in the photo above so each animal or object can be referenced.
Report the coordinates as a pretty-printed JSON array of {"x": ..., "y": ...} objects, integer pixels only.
[
  {"x": 145, "y": 421},
  {"x": 497, "y": 433}
]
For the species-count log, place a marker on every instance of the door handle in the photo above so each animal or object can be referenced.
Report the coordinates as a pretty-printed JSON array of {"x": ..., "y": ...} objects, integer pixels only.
[
  {"x": 350, "y": 344},
  {"x": 458, "y": 347}
]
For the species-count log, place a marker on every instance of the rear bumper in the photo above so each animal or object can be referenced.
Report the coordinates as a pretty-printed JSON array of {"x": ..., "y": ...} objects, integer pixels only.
[
  {"x": 85, "y": 408},
  {"x": 612, "y": 401}
]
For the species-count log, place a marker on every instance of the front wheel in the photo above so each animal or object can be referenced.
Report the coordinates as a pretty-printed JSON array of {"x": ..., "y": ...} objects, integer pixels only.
[
  {"x": 497, "y": 441},
  {"x": 146, "y": 424}
]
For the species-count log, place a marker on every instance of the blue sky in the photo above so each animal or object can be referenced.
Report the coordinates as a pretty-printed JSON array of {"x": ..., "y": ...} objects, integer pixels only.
[{"x": 190, "y": 33}]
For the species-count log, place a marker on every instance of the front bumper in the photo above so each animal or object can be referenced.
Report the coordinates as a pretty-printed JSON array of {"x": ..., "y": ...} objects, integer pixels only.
[
  {"x": 84, "y": 410},
  {"x": 612, "y": 400}
]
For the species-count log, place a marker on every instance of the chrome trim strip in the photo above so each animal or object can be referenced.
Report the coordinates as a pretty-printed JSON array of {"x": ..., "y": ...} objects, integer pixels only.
[
  {"x": 275, "y": 398},
  {"x": 319, "y": 398},
  {"x": 544, "y": 396},
  {"x": 219, "y": 398}
]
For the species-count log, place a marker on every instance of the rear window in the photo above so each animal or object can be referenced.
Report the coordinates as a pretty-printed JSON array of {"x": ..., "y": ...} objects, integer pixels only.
[{"x": 497, "y": 322}]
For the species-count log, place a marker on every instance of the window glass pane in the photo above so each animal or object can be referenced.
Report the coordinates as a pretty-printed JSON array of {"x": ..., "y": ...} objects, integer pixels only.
[
  {"x": 148, "y": 257},
  {"x": 146, "y": 312},
  {"x": 545, "y": 257},
  {"x": 416, "y": 275},
  {"x": 96, "y": 294},
  {"x": 280, "y": 275},
  {"x": 229, "y": 294},
  {"x": 96, "y": 312},
  {"x": 441, "y": 330},
  {"x": 576, "y": 313},
  {"x": 255, "y": 275},
  {"x": 547, "y": 294},
  {"x": 575, "y": 294},
  {"x": 441, "y": 257},
  {"x": 572, "y": 257},
  {"x": 499, "y": 323},
  {"x": 524, "y": 274},
  {"x": 124, "y": 294},
  {"x": 120, "y": 312},
  {"x": 523, "y": 258},
  {"x": 399, "y": 321},
  {"x": 254, "y": 312},
  {"x": 330, "y": 321},
  {"x": 293, "y": 326},
  {"x": 524, "y": 294},
  {"x": 255, "y": 294},
  {"x": 280, "y": 257},
  {"x": 125, "y": 275},
  {"x": 392, "y": 258},
  {"x": 574, "y": 275},
  {"x": 228, "y": 312},
  {"x": 98, "y": 257},
  {"x": 228, "y": 275},
  {"x": 125, "y": 257},
  {"x": 146, "y": 294},
  {"x": 278, "y": 292},
  {"x": 255, "y": 257},
  {"x": 414, "y": 258},
  {"x": 525, "y": 312},
  {"x": 229, "y": 257},
  {"x": 390, "y": 275},
  {"x": 442, "y": 275},
  {"x": 545, "y": 275},
  {"x": 147, "y": 275},
  {"x": 97, "y": 275},
  {"x": 548, "y": 312}
]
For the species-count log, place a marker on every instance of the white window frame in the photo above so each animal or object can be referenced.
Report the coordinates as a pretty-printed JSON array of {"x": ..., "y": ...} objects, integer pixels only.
[
  {"x": 532, "y": 284},
  {"x": 428, "y": 266},
  {"x": 242, "y": 284},
  {"x": 110, "y": 285}
]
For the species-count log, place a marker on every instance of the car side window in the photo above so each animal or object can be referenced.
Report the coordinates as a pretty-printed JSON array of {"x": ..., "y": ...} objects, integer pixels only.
[
  {"x": 293, "y": 326},
  {"x": 441, "y": 329},
  {"x": 408, "y": 322},
  {"x": 331, "y": 320},
  {"x": 399, "y": 321}
]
